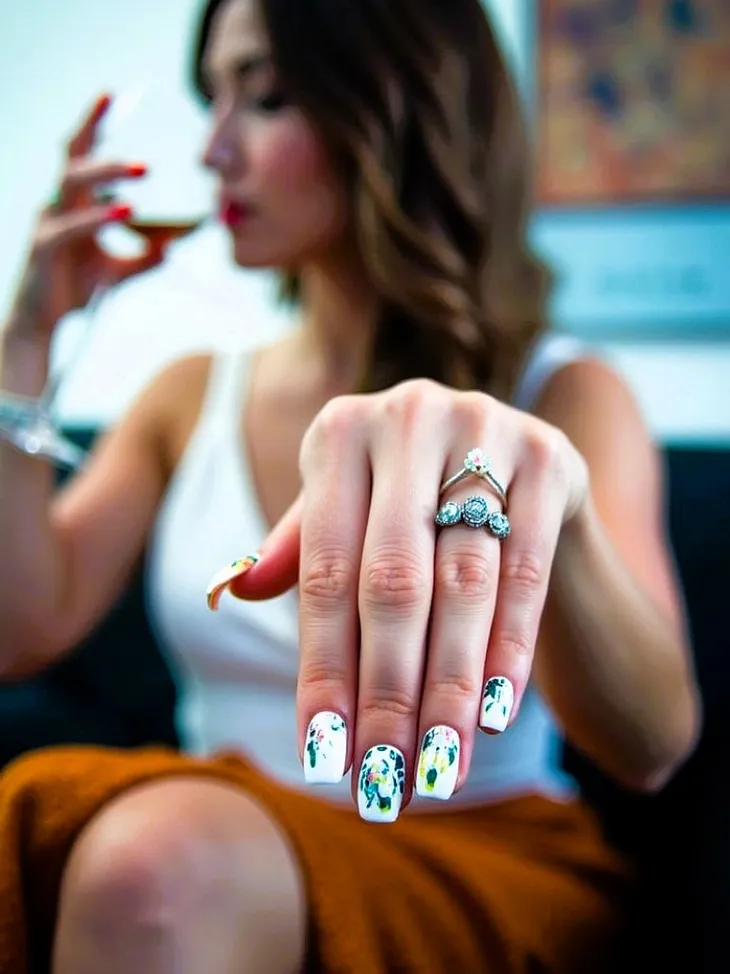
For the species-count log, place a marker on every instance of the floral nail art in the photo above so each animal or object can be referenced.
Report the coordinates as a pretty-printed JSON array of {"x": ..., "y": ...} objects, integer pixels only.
[
  {"x": 497, "y": 703},
  {"x": 222, "y": 579},
  {"x": 381, "y": 784},
  {"x": 438, "y": 764},
  {"x": 325, "y": 749}
]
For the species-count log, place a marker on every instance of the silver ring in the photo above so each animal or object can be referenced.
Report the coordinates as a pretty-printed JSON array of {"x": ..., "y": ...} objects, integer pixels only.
[
  {"x": 476, "y": 464},
  {"x": 475, "y": 513}
]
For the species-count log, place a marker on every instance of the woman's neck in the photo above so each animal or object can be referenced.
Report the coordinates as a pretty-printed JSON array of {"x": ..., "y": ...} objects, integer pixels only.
[{"x": 340, "y": 311}]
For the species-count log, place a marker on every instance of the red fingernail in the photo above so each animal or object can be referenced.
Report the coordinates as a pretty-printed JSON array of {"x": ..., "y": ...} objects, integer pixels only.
[
  {"x": 137, "y": 169},
  {"x": 103, "y": 103},
  {"x": 120, "y": 211}
]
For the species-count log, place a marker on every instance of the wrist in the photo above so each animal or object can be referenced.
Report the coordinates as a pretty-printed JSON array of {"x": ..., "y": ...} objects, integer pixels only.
[
  {"x": 580, "y": 535},
  {"x": 24, "y": 356}
]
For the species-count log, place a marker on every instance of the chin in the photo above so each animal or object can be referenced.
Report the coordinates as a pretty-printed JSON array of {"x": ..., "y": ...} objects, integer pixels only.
[{"x": 249, "y": 255}]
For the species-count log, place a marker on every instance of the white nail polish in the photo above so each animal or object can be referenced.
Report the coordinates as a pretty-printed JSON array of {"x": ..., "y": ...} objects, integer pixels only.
[
  {"x": 325, "y": 749},
  {"x": 381, "y": 784},
  {"x": 438, "y": 763},
  {"x": 497, "y": 701},
  {"x": 222, "y": 579}
]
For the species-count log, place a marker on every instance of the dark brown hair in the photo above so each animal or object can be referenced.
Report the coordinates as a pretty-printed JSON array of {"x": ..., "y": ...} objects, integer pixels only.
[{"x": 415, "y": 98}]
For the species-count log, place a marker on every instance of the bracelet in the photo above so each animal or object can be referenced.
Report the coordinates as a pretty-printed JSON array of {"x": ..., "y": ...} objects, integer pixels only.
[{"x": 17, "y": 410}]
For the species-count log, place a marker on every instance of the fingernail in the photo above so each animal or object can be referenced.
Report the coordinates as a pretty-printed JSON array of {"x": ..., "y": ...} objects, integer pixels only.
[
  {"x": 120, "y": 212},
  {"x": 497, "y": 701},
  {"x": 381, "y": 784},
  {"x": 137, "y": 169},
  {"x": 438, "y": 764},
  {"x": 222, "y": 579},
  {"x": 103, "y": 102},
  {"x": 325, "y": 749}
]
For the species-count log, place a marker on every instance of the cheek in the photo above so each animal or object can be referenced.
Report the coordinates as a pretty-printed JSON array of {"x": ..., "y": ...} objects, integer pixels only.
[{"x": 295, "y": 170}]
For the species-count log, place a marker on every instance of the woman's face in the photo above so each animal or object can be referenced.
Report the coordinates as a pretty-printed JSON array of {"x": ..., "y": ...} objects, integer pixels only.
[{"x": 280, "y": 195}]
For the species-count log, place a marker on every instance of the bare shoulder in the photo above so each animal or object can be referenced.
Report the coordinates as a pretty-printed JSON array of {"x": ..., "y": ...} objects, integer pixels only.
[
  {"x": 171, "y": 403},
  {"x": 588, "y": 395},
  {"x": 599, "y": 413}
]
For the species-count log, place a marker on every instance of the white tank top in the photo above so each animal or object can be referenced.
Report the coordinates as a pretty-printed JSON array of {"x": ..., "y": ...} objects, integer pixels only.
[{"x": 236, "y": 670}]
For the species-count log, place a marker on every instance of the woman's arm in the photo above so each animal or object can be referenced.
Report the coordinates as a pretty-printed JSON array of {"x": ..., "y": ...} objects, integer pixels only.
[
  {"x": 68, "y": 554},
  {"x": 613, "y": 656}
]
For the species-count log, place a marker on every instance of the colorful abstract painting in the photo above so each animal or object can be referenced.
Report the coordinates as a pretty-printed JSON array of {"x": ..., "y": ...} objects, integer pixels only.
[{"x": 634, "y": 101}]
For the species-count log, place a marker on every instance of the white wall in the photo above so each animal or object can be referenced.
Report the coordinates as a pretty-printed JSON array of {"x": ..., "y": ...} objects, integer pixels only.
[{"x": 55, "y": 57}]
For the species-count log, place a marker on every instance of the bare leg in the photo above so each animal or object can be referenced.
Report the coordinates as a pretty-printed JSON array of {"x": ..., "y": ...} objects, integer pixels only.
[{"x": 181, "y": 876}]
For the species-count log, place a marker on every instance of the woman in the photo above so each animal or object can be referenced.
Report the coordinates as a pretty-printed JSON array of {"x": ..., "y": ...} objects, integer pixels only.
[{"x": 371, "y": 151}]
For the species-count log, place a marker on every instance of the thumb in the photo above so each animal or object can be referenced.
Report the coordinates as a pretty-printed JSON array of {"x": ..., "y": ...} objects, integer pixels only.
[{"x": 273, "y": 570}]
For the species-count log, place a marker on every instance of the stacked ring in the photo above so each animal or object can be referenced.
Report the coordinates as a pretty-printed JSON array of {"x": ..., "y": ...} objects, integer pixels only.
[{"x": 475, "y": 513}]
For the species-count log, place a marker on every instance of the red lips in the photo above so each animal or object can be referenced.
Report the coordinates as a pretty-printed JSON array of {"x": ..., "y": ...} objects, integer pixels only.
[{"x": 232, "y": 213}]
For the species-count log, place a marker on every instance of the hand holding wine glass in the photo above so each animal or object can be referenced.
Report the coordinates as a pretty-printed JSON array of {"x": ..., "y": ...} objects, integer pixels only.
[
  {"x": 73, "y": 261},
  {"x": 66, "y": 263},
  {"x": 66, "y": 267}
]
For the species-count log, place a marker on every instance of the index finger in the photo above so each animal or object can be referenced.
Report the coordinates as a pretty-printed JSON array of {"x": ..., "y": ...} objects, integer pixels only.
[
  {"x": 82, "y": 142},
  {"x": 336, "y": 499}
]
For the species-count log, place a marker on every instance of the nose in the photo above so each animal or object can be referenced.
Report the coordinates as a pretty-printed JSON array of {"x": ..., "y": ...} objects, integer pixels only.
[{"x": 219, "y": 153}]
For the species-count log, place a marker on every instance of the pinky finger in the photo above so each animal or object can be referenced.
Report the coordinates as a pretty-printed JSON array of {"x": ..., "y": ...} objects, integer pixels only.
[{"x": 527, "y": 556}]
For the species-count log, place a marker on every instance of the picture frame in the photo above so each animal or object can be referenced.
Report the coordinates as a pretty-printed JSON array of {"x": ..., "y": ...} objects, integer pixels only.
[{"x": 632, "y": 102}]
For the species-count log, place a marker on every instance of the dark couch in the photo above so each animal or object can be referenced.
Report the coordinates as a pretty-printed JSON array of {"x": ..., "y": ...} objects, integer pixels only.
[{"x": 116, "y": 690}]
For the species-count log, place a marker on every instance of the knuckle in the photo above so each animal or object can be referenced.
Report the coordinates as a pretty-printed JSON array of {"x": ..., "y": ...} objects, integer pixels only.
[
  {"x": 387, "y": 703},
  {"x": 526, "y": 573},
  {"x": 327, "y": 579},
  {"x": 336, "y": 418},
  {"x": 465, "y": 576},
  {"x": 471, "y": 409},
  {"x": 457, "y": 690},
  {"x": 514, "y": 643},
  {"x": 406, "y": 402},
  {"x": 334, "y": 424},
  {"x": 321, "y": 678},
  {"x": 395, "y": 582},
  {"x": 545, "y": 446}
]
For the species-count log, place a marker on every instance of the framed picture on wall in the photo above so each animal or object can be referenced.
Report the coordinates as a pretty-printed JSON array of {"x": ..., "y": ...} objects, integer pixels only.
[{"x": 633, "y": 101}]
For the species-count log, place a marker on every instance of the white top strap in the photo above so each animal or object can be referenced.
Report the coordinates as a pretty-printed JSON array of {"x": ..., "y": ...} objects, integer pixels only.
[{"x": 549, "y": 354}]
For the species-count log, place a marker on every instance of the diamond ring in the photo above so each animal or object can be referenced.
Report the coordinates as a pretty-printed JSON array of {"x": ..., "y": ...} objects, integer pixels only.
[{"x": 476, "y": 464}]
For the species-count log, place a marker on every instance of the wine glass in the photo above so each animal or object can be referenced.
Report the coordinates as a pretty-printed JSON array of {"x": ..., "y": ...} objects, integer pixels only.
[{"x": 158, "y": 124}]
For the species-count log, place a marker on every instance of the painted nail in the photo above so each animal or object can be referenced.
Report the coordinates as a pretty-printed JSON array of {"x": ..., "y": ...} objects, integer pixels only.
[
  {"x": 497, "y": 701},
  {"x": 137, "y": 169},
  {"x": 325, "y": 749},
  {"x": 102, "y": 103},
  {"x": 438, "y": 764},
  {"x": 119, "y": 212},
  {"x": 222, "y": 579},
  {"x": 381, "y": 784}
]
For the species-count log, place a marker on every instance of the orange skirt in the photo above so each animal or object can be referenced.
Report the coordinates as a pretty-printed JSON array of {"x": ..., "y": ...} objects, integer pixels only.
[{"x": 525, "y": 885}]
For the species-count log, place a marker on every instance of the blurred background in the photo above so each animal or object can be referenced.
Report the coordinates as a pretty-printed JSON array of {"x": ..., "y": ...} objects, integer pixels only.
[{"x": 633, "y": 191}]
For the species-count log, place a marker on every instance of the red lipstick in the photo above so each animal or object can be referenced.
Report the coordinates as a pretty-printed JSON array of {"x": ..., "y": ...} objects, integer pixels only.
[{"x": 232, "y": 213}]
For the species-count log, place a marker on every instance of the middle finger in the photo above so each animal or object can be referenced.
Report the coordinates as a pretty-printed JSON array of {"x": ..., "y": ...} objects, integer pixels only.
[{"x": 396, "y": 581}]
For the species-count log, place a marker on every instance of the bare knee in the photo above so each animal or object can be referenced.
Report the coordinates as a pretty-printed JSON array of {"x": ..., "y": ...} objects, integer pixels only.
[
  {"x": 174, "y": 856},
  {"x": 124, "y": 872}
]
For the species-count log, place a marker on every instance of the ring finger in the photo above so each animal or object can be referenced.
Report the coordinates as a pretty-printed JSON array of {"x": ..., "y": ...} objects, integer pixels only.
[{"x": 467, "y": 566}]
